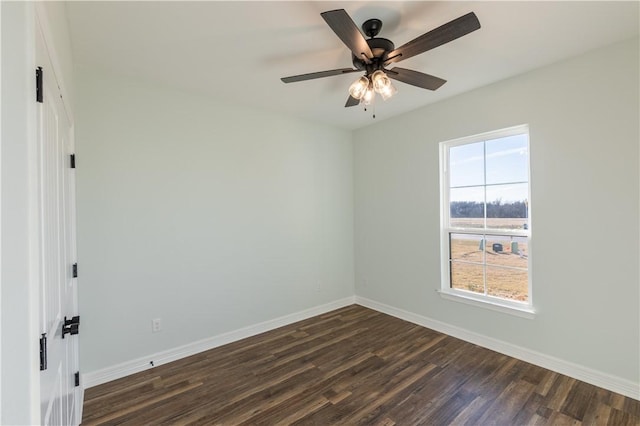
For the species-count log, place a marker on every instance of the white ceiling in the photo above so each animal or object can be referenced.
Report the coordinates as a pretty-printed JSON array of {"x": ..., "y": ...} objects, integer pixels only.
[{"x": 237, "y": 51}]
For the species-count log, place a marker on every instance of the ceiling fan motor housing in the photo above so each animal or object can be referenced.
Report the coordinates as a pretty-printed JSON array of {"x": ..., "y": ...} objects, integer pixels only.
[{"x": 380, "y": 47}]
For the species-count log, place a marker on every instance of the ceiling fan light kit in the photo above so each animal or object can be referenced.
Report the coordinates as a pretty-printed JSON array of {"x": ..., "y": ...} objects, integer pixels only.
[{"x": 375, "y": 54}]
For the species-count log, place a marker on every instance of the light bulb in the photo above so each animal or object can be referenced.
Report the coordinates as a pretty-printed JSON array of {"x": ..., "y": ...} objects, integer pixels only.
[
  {"x": 380, "y": 81},
  {"x": 368, "y": 96},
  {"x": 388, "y": 92},
  {"x": 359, "y": 87}
]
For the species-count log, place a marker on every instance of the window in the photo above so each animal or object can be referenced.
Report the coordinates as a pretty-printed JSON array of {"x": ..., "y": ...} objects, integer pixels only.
[{"x": 485, "y": 220}]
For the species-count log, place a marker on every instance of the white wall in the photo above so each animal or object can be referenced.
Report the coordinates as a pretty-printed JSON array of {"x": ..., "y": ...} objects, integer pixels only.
[
  {"x": 208, "y": 216},
  {"x": 584, "y": 137}
]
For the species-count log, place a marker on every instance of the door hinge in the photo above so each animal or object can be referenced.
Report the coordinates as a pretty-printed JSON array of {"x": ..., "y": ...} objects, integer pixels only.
[
  {"x": 43, "y": 351},
  {"x": 71, "y": 326},
  {"x": 75, "y": 270},
  {"x": 76, "y": 378},
  {"x": 39, "y": 84},
  {"x": 73, "y": 161}
]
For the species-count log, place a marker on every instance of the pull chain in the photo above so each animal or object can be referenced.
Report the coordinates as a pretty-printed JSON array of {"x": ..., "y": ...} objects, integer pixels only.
[{"x": 374, "y": 109}]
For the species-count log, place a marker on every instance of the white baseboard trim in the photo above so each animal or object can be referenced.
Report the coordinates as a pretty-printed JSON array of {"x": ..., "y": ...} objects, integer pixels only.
[
  {"x": 594, "y": 377},
  {"x": 94, "y": 378}
]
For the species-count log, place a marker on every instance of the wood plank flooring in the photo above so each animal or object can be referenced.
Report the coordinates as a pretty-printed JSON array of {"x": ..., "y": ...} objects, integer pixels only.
[{"x": 353, "y": 366}]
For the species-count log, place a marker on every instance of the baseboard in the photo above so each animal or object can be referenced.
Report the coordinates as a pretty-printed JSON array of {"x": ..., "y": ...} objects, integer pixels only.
[
  {"x": 594, "y": 377},
  {"x": 94, "y": 378}
]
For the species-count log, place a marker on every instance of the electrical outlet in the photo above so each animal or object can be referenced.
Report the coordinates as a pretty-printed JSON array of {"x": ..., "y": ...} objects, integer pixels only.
[{"x": 156, "y": 325}]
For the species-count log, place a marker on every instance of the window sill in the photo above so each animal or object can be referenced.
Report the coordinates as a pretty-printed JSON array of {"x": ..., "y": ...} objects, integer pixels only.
[{"x": 519, "y": 311}]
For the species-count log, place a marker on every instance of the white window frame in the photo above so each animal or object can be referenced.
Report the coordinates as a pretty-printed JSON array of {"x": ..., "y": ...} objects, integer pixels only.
[{"x": 521, "y": 309}]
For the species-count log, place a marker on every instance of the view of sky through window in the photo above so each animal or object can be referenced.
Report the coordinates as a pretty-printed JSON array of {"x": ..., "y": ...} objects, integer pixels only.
[{"x": 503, "y": 169}]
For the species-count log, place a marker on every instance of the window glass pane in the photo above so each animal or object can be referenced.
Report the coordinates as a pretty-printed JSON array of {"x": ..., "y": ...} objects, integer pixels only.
[
  {"x": 467, "y": 276},
  {"x": 467, "y": 207},
  {"x": 466, "y": 247},
  {"x": 506, "y": 251},
  {"x": 487, "y": 232},
  {"x": 466, "y": 165},
  {"x": 507, "y": 160},
  {"x": 507, "y": 206},
  {"x": 507, "y": 283}
]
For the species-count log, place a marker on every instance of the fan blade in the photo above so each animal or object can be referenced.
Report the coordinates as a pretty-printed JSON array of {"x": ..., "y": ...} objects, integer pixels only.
[
  {"x": 321, "y": 74},
  {"x": 351, "y": 102},
  {"x": 437, "y": 37},
  {"x": 344, "y": 27},
  {"x": 415, "y": 78}
]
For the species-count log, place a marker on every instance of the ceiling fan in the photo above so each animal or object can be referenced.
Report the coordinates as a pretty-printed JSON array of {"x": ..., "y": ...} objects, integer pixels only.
[{"x": 374, "y": 55}]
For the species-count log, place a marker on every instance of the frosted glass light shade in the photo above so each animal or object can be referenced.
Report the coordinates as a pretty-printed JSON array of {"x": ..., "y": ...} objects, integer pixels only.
[
  {"x": 368, "y": 96},
  {"x": 359, "y": 87},
  {"x": 388, "y": 92},
  {"x": 380, "y": 81}
]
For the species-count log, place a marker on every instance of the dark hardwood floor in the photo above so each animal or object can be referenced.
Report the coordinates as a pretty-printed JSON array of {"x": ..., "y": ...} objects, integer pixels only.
[{"x": 353, "y": 366}]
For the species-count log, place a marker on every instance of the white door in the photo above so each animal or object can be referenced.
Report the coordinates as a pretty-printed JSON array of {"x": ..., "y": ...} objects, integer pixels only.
[{"x": 59, "y": 395}]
